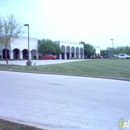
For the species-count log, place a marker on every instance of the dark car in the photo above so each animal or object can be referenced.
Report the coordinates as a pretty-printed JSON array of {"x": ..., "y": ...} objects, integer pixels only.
[{"x": 109, "y": 56}]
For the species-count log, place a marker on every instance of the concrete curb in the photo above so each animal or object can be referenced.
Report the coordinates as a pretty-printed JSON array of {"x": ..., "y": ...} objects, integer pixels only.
[
  {"x": 27, "y": 124},
  {"x": 89, "y": 76}
]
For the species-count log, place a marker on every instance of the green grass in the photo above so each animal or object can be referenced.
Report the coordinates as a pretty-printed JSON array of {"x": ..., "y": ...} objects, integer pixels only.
[
  {"x": 107, "y": 68},
  {"x": 7, "y": 125}
]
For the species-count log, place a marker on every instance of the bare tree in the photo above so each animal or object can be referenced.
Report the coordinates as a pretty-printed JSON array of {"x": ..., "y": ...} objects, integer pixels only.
[{"x": 10, "y": 30}]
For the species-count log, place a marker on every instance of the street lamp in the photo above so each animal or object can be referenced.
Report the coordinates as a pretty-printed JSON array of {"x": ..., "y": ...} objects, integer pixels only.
[
  {"x": 112, "y": 44},
  {"x": 29, "y": 61}
]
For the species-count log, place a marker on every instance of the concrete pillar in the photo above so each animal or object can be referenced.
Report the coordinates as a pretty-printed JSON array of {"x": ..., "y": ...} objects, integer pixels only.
[
  {"x": 20, "y": 55},
  {"x": 37, "y": 55},
  {"x": 60, "y": 56},
  {"x": 30, "y": 55},
  {"x": 65, "y": 55},
  {"x": 11, "y": 54},
  {"x": 70, "y": 55}
]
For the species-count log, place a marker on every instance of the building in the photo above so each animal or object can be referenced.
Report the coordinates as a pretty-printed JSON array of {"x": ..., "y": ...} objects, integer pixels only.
[
  {"x": 71, "y": 50},
  {"x": 19, "y": 49}
]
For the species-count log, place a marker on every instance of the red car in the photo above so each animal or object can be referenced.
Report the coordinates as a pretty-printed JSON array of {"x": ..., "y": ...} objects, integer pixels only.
[
  {"x": 97, "y": 57},
  {"x": 47, "y": 57}
]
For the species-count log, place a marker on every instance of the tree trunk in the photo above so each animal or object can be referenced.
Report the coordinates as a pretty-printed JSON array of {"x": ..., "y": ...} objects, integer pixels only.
[{"x": 6, "y": 55}]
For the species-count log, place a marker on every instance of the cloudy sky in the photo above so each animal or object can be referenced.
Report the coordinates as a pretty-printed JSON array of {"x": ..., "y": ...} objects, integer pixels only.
[{"x": 91, "y": 21}]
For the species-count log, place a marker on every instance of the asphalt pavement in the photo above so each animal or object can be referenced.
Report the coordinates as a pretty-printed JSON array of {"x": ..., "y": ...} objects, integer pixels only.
[{"x": 64, "y": 102}]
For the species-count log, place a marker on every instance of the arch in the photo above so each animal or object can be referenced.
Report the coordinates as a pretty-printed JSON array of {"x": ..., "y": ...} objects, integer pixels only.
[
  {"x": 67, "y": 49},
  {"x": 72, "y": 52},
  {"x": 63, "y": 48},
  {"x": 25, "y": 54},
  {"x": 72, "y": 49},
  {"x": 4, "y": 53},
  {"x": 33, "y": 54},
  {"x": 77, "y": 50},
  {"x": 16, "y": 53}
]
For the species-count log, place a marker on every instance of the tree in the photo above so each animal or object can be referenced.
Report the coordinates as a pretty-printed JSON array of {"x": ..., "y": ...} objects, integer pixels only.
[
  {"x": 9, "y": 31},
  {"x": 89, "y": 50},
  {"x": 104, "y": 52},
  {"x": 46, "y": 46}
]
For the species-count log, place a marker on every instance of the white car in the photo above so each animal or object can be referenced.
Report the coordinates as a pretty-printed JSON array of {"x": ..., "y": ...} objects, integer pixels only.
[{"x": 123, "y": 56}]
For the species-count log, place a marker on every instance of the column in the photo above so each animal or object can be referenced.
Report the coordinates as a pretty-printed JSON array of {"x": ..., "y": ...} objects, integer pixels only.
[
  {"x": 37, "y": 55},
  {"x": 20, "y": 55},
  {"x": 30, "y": 55},
  {"x": 70, "y": 55},
  {"x": 65, "y": 54},
  {"x": 79, "y": 53},
  {"x": 11, "y": 54},
  {"x": 60, "y": 56},
  {"x": 83, "y": 54}
]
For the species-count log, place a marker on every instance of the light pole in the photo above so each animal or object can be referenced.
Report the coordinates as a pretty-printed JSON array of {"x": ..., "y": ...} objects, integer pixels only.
[
  {"x": 29, "y": 61},
  {"x": 112, "y": 44}
]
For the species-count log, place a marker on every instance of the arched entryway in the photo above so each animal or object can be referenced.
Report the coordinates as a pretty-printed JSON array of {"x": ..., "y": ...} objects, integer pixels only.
[
  {"x": 68, "y": 52},
  {"x": 72, "y": 51},
  {"x": 63, "y": 52},
  {"x": 16, "y": 54},
  {"x": 25, "y": 54},
  {"x": 33, "y": 54},
  {"x": 4, "y": 54}
]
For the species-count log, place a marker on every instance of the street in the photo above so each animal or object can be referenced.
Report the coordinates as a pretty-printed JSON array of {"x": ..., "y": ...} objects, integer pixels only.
[{"x": 64, "y": 102}]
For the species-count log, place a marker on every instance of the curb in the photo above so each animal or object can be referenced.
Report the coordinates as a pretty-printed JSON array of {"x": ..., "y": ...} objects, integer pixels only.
[
  {"x": 26, "y": 124},
  {"x": 89, "y": 76}
]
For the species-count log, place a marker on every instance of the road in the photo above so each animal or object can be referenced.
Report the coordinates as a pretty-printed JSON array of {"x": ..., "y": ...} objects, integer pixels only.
[{"x": 64, "y": 102}]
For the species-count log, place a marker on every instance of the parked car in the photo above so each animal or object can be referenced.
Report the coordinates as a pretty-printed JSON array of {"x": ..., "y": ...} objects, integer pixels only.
[
  {"x": 123, "y": 56},
  {"x": 47, "y": 57},
  {"x": 97, "y": 57},
  {"x": 109, "y": 56}
]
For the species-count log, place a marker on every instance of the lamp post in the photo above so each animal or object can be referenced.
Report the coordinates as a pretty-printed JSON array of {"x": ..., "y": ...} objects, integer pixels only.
[
  {"x": 29, "y": 61},
  {"x": 112, "y": 44}
]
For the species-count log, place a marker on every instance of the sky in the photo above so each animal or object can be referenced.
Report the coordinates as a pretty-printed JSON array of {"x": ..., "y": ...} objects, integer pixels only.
[{"x": 92, "y": 21}]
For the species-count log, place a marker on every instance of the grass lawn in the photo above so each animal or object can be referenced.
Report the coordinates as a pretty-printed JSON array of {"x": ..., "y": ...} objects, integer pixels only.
[
  {"x": 6, "y": 125},
  {"x": 108, "y": 68}
]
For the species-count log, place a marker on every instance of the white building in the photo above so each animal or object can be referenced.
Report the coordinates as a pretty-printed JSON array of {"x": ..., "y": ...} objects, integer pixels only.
[
  {"x": 71, "y": 50},
  {"x": 19, "y": 49}
]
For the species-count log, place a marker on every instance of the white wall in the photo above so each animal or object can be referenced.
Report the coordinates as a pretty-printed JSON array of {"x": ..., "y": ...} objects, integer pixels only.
[{"x": 22, "y": 43}]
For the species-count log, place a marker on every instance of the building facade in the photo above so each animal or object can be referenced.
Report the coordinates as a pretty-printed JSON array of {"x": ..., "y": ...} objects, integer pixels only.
[
  {"x": 71, "y": 50},
  {"x": 19, "y": 49}
]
